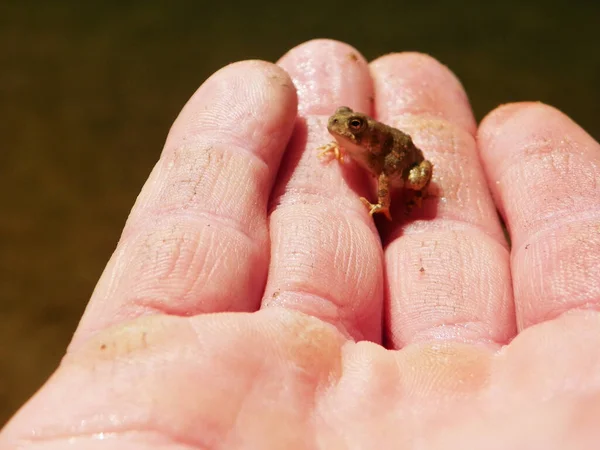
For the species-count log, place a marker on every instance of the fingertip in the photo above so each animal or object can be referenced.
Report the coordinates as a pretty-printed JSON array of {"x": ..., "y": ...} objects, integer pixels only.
[
  {"x": 321, "y": 44},
  {"x": 516, "y": 130},
  {"x": 326, "y": 74},
  {"x": 237, "y": 99},
  {"x": 262, "y": 73},
  {"x": 256, "y": 74},
  {"x": 493, "y": 122},
  {"x": 418, "y": 84},
  {"x": 504, "y": 111},
  {"x": 408, "y": 57}
]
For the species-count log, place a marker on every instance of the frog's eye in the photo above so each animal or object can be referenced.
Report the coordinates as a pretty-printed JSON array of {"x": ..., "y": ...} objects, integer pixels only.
[{"x": 356, "y": 123}]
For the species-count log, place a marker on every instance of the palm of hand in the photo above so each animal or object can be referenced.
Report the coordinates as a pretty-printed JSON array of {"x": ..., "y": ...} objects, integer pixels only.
[{"x": 150, "y": 367}]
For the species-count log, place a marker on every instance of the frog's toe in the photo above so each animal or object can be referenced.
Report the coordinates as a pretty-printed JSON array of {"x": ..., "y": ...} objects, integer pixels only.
[
  {"x": 368, "y": 204},
  {"x": 330, "y": 151},
  {"x": 376, "y": 208}
]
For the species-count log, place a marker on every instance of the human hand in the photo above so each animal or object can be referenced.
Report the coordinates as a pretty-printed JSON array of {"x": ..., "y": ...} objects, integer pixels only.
[{"x": 236, "y": 309}]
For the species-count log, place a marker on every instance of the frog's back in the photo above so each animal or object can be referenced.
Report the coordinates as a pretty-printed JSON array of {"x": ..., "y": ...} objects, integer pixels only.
[{"x": 403, "y": 156}]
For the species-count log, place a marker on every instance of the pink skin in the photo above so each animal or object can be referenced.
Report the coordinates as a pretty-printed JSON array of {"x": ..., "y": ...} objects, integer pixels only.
[{"x": 222, "y": 226}]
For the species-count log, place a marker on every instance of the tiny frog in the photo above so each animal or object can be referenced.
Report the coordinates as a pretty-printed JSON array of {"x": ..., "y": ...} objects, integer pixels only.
[{"x": 386, "y": 152}]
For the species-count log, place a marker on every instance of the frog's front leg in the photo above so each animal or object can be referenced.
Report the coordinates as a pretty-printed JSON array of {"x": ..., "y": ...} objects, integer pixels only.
[
  {"x": 418, "y": 180},
  {"x": 383, "y": 198},
  {"x": 327, "y": 150}
]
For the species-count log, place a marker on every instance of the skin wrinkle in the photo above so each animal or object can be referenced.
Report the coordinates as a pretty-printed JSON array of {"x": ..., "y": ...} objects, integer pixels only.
[
  {"x": 472, "y": 332},
  {"x": 221, "y": 247},
  {"x": 218, "y": 194},
  {"x": 92, "y": 441},
  {"x": 209, "y": 138},
  {"x": 319, "y": 305},
  {"x": 577, "y": 200},
  {"x": 341, "y": 240},
  {"x": 554, "y": 226},
  {"x": 448, "y": 223},
  {"x": 352, "y": 257},
  {"x": 171, "y": 251},
  {"x": 175, "y": 304},
  {"x": 300, "y": 198},
  {"x": 558, "y": 253}
]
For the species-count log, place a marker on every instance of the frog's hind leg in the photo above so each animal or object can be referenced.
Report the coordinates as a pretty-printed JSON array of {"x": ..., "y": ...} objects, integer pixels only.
[
  {"x": 418, "y": 180},
  {"x": 419, "y": 176},
  {"x": 384, "y": 198}
]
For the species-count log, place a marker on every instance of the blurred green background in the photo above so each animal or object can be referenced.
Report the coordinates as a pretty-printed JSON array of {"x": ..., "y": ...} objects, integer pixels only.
[{"x": 88, "y": 92}]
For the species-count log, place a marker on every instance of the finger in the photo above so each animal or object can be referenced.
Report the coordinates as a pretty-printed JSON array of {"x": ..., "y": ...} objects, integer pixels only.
[
  {"x": 326, "y": 258},
  {"x": 196, "y": 240},
  {"x": 544, "y": 172},
  {"x": 447, "y": 269}
]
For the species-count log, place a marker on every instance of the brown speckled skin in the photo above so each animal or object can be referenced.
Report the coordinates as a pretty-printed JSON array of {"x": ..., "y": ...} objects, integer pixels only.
[{"x": 386, "y": 152}]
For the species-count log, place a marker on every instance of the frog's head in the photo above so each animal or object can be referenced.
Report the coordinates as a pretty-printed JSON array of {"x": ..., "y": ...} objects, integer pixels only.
[{"x": 348, "y": 127}]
